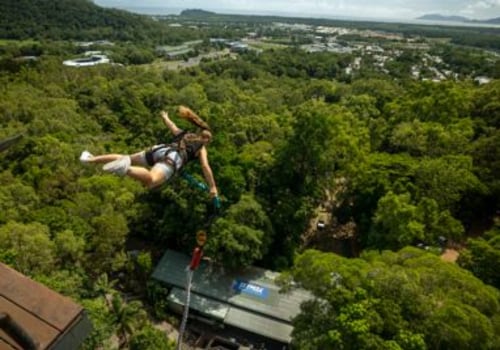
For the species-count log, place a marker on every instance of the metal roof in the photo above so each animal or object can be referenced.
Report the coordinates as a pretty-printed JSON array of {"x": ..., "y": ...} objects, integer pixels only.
[
  {"x": 254, "y": 323},
  {"x": 234, "y": 316},
  {"x": 206, "y": 306},
  {"x": 252, "y": 291},
  {"x": 49, "y": 318}
]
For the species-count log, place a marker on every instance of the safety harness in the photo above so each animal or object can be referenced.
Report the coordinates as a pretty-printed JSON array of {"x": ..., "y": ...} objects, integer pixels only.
[{"x": 186, "y": 149}]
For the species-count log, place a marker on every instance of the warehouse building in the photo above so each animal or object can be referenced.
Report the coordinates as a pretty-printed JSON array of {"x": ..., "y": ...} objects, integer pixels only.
[{"x": 247, "y": 301}]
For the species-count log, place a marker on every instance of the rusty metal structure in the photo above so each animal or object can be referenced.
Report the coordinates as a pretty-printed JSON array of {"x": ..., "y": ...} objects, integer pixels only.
[{"x": 33, "y": 316}]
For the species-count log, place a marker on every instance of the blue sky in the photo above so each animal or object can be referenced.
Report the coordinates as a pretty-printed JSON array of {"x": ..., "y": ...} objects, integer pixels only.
[{"x": 396, "y": 9}]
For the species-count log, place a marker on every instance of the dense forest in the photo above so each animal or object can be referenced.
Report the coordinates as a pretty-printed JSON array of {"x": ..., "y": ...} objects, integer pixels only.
[{"x": 399, "y": 164}]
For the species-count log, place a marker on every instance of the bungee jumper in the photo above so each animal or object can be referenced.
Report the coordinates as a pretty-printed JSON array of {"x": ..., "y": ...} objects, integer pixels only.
[{"x": 158, "y": 164}]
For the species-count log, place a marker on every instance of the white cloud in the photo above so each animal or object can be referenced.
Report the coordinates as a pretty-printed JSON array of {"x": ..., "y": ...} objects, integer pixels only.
[
  {"x": 482, "y": 9},
  {"x": 358, "y": 8}
]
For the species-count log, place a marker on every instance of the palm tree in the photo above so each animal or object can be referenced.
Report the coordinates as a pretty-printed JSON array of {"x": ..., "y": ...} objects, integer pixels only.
[
  {"x": 127, "y": 318},
  {"x": 103, "y": 286}
]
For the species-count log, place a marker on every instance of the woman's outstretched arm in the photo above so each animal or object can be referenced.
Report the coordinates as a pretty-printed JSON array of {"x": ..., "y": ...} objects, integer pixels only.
[
  {"x": 207, "y": 172},
  {"x": 170, "y": 124}
]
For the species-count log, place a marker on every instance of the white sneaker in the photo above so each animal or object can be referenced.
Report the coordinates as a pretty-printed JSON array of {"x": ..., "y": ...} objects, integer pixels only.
[
  {"x": 119, "y": 166},
  {"x": 85, "y": 156}
]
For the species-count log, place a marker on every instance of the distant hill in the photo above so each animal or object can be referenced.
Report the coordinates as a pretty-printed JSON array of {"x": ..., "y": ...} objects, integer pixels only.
[
  {"x": 493, "y": 20},
  {"x": 438, "y": 17},
  {"x": 196, "y": 13},
  {"x": 71, "y": 19}
]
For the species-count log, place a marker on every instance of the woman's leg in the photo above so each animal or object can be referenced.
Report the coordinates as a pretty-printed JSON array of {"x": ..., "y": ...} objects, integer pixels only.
[
  {"x": 159, "y": 174},
  {"x": 136, "y": 158},
  {"x": 105, "y": 158},
  {"x": 139, "y": 158}
]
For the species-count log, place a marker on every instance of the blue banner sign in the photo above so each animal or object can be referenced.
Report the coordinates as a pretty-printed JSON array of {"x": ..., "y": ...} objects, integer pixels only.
[{"x": 250, "y": 289}]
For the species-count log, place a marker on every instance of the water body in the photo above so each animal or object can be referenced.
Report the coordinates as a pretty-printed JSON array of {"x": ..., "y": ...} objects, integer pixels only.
[{"x": 176, "y": 11}]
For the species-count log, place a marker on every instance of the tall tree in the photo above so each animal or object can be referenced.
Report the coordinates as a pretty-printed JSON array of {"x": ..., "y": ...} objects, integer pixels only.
[
  {"x": 409, "y": 299},
  {"x": 482, "y": 256},
  {"x": 242, "y": 236},
  {"x": 128, "y": 317}
]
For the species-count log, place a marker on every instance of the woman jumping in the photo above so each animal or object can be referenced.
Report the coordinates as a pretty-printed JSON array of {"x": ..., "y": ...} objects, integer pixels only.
[{"x": 163, "y": 160}]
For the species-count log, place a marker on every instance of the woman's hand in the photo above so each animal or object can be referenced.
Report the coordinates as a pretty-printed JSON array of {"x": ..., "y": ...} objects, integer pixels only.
[
  {"x": 213, "y": 192},
  {"x": 170, "y": 124},
  {"x": 216, "y": 202}
]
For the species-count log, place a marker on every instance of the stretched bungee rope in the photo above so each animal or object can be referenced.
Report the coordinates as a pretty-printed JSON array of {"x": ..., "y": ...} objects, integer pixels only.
[
  {"x": 186, "y": 309},
  {"x": 201, "y": 238}
]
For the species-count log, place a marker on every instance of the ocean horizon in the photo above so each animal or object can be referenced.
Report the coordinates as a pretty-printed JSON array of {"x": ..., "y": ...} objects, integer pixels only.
[{"x": 165, "y": 11}]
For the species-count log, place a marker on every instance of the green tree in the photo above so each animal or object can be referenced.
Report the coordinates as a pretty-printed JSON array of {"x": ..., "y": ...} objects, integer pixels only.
[
  {"x": 429, "y": 102},
  {"x": 432, "y": 139},
  {"x": 150, "y": 338},
  {"x": 486, "y": 107},
  {"x": 127, "y": 318},
  {"x": 18, "y": 200},
  {"x": 29, "y": 245},
  {"x": 70, "y": 283},
  {"x": 69, "y": 248},
  {"x": 486, "y": 159},
  {"x": 327, "y": 142},
  {"x": 408, "y": 299},
  {"x": 482, "y": 256},
  {"x": 102, "y": 324},
  {"x": 438, "y": 223},
  {"x": 257, "y": 159},
  {"x": 107, "y": 242},
  {"x": 384, "y": 91},
  {"x": 396, "y": 223},
  {"x": 446, "y": 180},
  {"x": 326, "y": 138},
  {"x": 371, "y": 180},
  {"x": 104, "y": 287},
  {"x": 242, "y": 236}
]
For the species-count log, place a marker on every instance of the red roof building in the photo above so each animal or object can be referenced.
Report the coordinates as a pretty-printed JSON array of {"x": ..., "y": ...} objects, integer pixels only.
[{"x": 33, "y": 316}]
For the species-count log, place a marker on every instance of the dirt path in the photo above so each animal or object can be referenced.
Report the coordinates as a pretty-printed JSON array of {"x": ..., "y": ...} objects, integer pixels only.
[{"x": 450, "y": 255}]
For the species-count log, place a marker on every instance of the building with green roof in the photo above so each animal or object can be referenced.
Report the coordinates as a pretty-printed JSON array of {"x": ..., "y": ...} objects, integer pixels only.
[{"x": 247, "y": 300}]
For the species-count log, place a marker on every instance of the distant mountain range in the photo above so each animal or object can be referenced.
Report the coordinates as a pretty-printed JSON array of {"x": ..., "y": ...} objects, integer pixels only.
[{"x": 437, "y": 17}]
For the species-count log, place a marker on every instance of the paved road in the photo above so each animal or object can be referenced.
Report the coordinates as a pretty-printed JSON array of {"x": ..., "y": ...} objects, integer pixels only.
[{"x": 194, "y": 61}]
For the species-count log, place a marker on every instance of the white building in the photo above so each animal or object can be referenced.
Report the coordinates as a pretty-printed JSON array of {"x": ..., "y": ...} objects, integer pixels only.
[
  {"x": 482, "y": 80},
  {"x": 92, "y": 60}
]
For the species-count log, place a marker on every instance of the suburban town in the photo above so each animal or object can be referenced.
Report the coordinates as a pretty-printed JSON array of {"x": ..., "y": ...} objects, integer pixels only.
[
  {"x": 364, "y": 48},
  {"x": 196, "y": 179}
]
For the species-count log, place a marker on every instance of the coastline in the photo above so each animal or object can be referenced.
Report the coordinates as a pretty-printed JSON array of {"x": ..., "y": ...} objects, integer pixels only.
[{"x": 165, "y": 11}]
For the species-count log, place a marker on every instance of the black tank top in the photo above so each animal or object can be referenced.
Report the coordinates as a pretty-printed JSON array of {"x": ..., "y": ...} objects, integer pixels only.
[{"x": 192, "y": 149}]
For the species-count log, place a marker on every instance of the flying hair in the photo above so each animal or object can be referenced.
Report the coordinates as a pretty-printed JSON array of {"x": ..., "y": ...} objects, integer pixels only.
[{"x": 188, "y": 114}]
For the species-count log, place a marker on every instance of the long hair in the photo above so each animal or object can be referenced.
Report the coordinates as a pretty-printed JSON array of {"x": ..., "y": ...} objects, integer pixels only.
[{"x": 188, "y": 114}]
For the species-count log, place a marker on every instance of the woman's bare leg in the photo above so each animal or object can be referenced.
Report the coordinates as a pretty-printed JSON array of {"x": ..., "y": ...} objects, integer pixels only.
[
  {"x": 136, "y": 158},
  {"x": 149, "y": 178},
  {"x": 118, "y": 164},
  {"x": 105, "y": 158}
]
